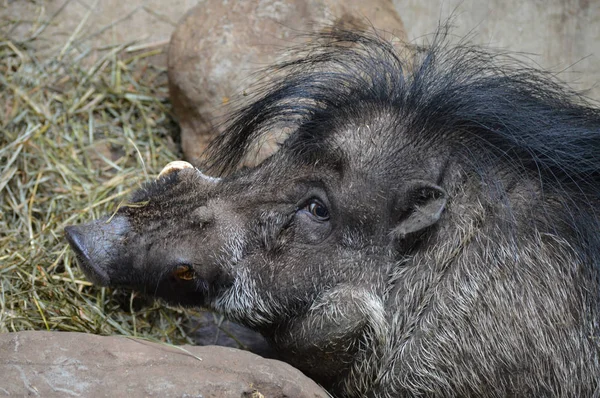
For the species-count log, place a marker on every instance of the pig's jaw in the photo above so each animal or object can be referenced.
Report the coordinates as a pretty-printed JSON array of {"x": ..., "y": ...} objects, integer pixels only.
[{"x": 242, "y": 302}]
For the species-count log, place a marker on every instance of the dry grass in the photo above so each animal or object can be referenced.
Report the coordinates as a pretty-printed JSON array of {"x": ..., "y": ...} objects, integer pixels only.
[{"x": 76, "y": 137}]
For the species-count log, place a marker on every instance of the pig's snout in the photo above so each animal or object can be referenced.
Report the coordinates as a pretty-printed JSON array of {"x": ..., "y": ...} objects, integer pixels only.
[{"x": 97, "y": 246}]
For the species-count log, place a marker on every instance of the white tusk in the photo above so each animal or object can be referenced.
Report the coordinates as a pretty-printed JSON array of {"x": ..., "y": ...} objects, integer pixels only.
[{"x": 174, "y": 166}]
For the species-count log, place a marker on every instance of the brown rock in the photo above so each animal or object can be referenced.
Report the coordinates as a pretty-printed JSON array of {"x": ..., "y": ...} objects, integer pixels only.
[
  {"x": 64, "y": 364},
  {"x": 218, "y": 44}
]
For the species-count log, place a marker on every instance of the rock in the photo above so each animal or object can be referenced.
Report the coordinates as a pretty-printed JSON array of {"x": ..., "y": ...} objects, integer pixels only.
[
  {"x": 75, "y": 364},
  {"x": 218, "y": 44}
]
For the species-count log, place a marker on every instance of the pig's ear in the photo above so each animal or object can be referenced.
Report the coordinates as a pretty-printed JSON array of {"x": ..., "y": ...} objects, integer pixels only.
[{"x": 420, "y": 207}]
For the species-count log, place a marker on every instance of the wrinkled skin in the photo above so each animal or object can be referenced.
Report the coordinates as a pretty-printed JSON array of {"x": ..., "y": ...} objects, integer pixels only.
[{"x": 378, "y": 264}]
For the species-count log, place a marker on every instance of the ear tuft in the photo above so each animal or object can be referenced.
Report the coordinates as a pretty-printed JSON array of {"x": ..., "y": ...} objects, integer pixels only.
[{"x": 426, "y": 203}]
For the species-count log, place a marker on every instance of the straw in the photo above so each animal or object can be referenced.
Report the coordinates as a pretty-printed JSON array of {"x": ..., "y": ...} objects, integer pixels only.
[{"x": 77, "y": 136}]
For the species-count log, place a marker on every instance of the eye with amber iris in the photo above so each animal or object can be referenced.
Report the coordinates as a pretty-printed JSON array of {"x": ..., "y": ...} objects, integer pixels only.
[
  {"x": 317, "y": 210},
  {"x": 184, "y": 273}
]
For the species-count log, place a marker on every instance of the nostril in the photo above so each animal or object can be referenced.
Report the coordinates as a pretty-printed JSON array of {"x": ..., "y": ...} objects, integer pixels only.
[{"x": 76, "y": 239}]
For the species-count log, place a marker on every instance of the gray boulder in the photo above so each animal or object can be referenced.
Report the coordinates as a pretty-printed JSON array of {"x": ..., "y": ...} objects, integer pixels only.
[
  {"x": 218, "y": 44},
  {"x": 47, "y": 364}
]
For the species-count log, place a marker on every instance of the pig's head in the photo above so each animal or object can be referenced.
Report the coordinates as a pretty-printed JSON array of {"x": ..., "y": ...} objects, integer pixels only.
[
  {"x": 264, "y": 244},
  {"x": 151, "y": 243},
  {"x": 300, "y": 248}
]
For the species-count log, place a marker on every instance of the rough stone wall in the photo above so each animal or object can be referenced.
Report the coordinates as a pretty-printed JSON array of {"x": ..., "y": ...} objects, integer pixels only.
[{"x": 558, "y": 35}]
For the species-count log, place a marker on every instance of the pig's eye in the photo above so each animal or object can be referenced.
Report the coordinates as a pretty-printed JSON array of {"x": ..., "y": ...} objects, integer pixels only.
[
  {"x": 317, "y": 210},
  {"x": 184, "y": 273}
]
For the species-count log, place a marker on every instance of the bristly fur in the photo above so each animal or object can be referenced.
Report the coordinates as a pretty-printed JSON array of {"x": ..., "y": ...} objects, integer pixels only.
[{"x": 523, "y": 115}]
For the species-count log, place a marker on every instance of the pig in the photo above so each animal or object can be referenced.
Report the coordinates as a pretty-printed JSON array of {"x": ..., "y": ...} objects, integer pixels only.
[{"x": 429, "y": 225}]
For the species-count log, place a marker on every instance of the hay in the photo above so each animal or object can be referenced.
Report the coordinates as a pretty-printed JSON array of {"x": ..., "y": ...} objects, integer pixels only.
[{"x": 77, "y": 135}]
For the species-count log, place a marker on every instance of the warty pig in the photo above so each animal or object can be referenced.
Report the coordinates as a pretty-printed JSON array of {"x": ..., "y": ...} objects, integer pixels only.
[{"x": 429, "y": 227}]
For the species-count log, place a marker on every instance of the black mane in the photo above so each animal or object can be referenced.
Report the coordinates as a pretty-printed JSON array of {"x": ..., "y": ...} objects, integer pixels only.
[{"x": 521, "y": 113}]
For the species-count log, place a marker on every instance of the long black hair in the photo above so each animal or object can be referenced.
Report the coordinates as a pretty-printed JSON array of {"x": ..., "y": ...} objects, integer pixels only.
[{"x": 524, "y": 115}]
